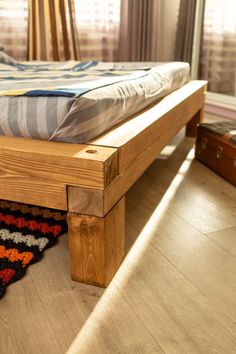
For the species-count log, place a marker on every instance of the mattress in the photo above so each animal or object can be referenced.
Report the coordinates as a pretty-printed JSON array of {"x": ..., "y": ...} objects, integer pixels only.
[{"x": 77, "y": 101}]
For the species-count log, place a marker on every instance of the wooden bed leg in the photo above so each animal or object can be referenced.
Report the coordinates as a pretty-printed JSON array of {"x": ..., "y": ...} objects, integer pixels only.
[
  {"x": 97, "y": 245},
  {"x": 191, "y": 127}
]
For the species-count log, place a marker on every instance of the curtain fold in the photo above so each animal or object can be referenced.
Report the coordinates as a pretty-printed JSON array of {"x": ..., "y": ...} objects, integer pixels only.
[
  {"x": 60, "y": 29},
  {"x": 52, "y": 33},
  {"x": 138, "y": 30},
  {"x": 185, "y": 30},
  {"x": 70, "y": 29},
  {"x": 218, "y": 56}
]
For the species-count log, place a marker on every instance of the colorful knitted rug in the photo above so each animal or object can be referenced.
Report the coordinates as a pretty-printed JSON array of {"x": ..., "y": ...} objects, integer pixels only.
[{"x": 25, "y": 232}]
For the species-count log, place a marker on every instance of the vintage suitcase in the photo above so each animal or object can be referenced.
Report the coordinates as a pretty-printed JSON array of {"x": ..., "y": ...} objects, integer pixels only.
[{"x": 216, "y": 148}]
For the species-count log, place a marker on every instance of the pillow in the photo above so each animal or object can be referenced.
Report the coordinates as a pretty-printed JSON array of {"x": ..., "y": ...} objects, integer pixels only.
[{"x": 6, "y": 59}]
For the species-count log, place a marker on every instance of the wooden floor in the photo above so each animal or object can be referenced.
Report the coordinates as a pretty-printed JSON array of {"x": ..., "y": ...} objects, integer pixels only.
[{"x": 174, "y": 293}]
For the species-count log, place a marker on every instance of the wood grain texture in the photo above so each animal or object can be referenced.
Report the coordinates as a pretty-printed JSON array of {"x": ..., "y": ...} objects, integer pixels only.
[
  {"x": 204, "y": 255},
  {"x": 138, "y": 141},
  {"x": 209, "y": 215},
  {"x": 138, "y": 148},
  {"x": 154, "y": 125},
  {"x": 97, "y": 245},
  {"x": 67, "y": 304},
  {"x": 176, "y": 313},
  {"x": 24, "y": 325},
  {"x": 114, "y": 328},
  {"x": 85, "y": 201},
  {"x": 226, "y": 239},
  {"x": 61, "y": 162},
  {"x": 32, "y": 190},
  {"x": 37, "y": 172}
]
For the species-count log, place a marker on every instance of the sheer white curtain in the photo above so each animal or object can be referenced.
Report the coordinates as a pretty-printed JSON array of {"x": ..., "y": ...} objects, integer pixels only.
[
  {"x": 218, "y": 59},
  {"x": 13, "y": 27},
  {"x": 98, "y": 24}
]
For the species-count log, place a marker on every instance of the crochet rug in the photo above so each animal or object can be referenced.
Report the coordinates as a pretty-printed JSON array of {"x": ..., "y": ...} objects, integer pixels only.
[{"x": 25, "y": 232}]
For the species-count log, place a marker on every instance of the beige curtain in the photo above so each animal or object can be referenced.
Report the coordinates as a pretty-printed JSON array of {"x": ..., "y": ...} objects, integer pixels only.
[
  {"x": 218, "y": 57},
  {"x": 138, "y": 30},
  {"x": 13, "y": 27},
  {"x": 185, "y": 30},
  {"x": 60, "y": 29},
  {"x": 98, "y": 23},
  {"x": 52, "y": 31}
]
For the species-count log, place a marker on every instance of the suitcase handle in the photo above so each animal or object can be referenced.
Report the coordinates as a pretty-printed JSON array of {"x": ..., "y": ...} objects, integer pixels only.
[
  {"x": 219, "y": 152},
  {"x": 204, "y": 143}
]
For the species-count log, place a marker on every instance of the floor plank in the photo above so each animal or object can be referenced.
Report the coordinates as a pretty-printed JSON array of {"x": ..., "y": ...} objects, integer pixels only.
[
  {"x": 24, "y": 324},
  {"x": 226, "y": 239},
  {"x": 203, "y": 213},
  {"x": 207, "y": 265},
  {"x": 178, "y": 231},
  {"x": 175, "y": 312},
  {"x": 114, "y": 327},
  {"x": 68, "y": 304},
  {"x": 213, "y": 186}
]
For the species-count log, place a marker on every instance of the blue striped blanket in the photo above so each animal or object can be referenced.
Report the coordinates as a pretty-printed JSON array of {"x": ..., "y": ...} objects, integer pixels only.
[{"x": 68, "y": 79}]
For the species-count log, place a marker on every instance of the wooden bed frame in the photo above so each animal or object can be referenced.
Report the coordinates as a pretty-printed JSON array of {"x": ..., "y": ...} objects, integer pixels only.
[{"x": 90, "y": 181}]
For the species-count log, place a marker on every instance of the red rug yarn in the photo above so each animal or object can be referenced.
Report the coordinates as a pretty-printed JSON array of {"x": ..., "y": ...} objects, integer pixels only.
[{"x": 25, "y": 232}]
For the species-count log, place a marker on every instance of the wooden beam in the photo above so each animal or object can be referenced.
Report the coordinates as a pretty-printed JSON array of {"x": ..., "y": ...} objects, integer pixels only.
[
  {"x": 135, "y": 136},
  {"x": 61, "y": 163},
  {"x": 94, "y": 178},
  {"x": 138, "y": 142},
  {"x": 175, "y": 121},
  {"x": 191, "y": 127},
  {"x": 97, "y": 245},
  {"x": 35, "y": 191},
  {"x": 86, "y": 201}
]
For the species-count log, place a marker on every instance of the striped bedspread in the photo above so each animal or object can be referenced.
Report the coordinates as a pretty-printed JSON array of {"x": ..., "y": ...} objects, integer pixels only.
[
  {"x": 77, "y": 101},
  {"x": 68, "y": 79}
]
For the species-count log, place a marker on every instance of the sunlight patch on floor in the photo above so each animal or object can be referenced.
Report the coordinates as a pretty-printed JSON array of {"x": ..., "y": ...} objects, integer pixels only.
[{"x": 167, "y": 152}]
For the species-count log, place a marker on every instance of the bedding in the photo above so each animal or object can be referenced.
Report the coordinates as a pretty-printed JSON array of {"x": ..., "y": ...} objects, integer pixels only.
[{"x": 77, "y": 101}]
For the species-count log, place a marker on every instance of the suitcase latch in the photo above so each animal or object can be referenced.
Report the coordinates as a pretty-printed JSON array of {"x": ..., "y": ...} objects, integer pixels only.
[
  {"x": 204, "y": 142},
  {"x": 219, "y": 152}
]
